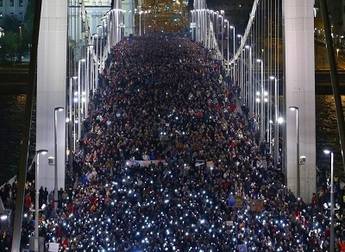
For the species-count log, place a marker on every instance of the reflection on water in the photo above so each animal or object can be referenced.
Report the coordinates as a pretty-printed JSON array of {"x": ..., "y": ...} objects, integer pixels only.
[
  {"x": 12, "y": 121},
  {"x": 326, "y": 131},
  {"x": 11, "y": 129}
]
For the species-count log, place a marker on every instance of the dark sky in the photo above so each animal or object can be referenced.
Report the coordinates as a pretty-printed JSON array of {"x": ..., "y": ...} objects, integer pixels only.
[{"x": 237, "y": 11}]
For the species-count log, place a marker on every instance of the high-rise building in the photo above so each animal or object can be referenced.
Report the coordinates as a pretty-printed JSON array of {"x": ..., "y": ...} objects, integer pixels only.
[{"x": 15, "y": 8}]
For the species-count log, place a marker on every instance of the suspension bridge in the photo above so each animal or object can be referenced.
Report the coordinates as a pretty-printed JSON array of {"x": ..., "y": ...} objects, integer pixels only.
[{"x": 271, "y": 65}]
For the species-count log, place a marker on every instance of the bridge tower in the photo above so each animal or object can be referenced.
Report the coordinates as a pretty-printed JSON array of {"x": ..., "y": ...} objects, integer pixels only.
[
  {"x": 300, "y": 93},
  {"x": 51, "y": 88}
]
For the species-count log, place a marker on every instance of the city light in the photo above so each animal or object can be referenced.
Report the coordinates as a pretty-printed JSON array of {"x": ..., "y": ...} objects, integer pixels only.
[
  {"x": 293, "y": 108},
  {"x": 327, "y": 152},
  {"x": 280, "y": 120}
]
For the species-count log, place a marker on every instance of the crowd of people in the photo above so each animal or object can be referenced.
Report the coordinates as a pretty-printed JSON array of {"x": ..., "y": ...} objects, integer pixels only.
[{"x": 168, "y": 162}]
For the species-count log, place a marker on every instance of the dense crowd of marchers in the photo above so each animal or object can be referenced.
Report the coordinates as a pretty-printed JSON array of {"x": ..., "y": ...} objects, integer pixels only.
[{"x": 167, "y": 162}]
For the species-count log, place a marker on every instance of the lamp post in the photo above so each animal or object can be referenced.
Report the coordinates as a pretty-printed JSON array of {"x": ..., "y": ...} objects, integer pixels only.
[
  {"x": 205, "y": 27},
  {"x": 56, "y": 110},
  {"x": 296, "y": 110},
  {"x": 192, "y": 24},
  {"x": 239, "y": 79},
  {"x": 331, "y": 245},
  {"x": 216, "y": 30},
  {"x": 233, "y": 49},
  {"x": 100, "y": 38},
  {"x": 140, "y": 12},
  {"x": 74, "y": 120},
  {"x": 88, "y": 75},
  {"x": 267, "y": 101},
  {"x": 37, "y": 156},
  {"x": 233, "y": 28},
  {"x": 276, "y": 121},
  {"x": 239, "y": 36},
  {"x": 79, "y": 95},
  {"x": 209, "y": 20},
  {"x": 227, "y": 26},
  {"x": 143, "y": 21},
  {"x": 251, "y": 96},
  {"x": 262, "y": 108},
  {"x": 241, "y": 72},
  {"x": 222, "y": 30}
]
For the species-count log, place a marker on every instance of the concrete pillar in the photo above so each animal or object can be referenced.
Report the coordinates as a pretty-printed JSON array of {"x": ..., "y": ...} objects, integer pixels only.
[
  {"x": 300, "y": 92},
  {"x": 51, "y": 87}
]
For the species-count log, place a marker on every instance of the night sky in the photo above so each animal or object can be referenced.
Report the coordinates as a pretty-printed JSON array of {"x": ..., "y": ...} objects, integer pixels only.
[{"x": 237, "y": 11}]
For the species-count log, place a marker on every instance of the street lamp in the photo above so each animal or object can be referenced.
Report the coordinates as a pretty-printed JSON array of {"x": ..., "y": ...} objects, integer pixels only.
[
  {"x": 193, "y": 25},
  {"x": 56, "y": 110},
  {"x": 37, "y": 156},
  {"x": 276, "y": 122},
  {"x": 3, "y": 217},
  {"x": 280, "y": 120},
  {"x": 239, "y": 36},
  {"x": 262, "y": 112},
  {"x": 251, "y": 97},
  {"x": 80, "y": 95},
  {"x": 233, "y": 28},
  {"x": 140, "y": 12},
  {"x": 296, "y": 110},
  {"x": 328, "y": 152},
  {"x": 228, "y": 44},
  {"x": 221, "y": 16},
  {"x": 74, "y": 119},
  {"x": 72, "y": 99}
]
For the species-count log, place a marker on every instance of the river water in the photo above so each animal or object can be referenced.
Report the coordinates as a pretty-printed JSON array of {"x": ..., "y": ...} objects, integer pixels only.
[{"x": 12, "y": 122}]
